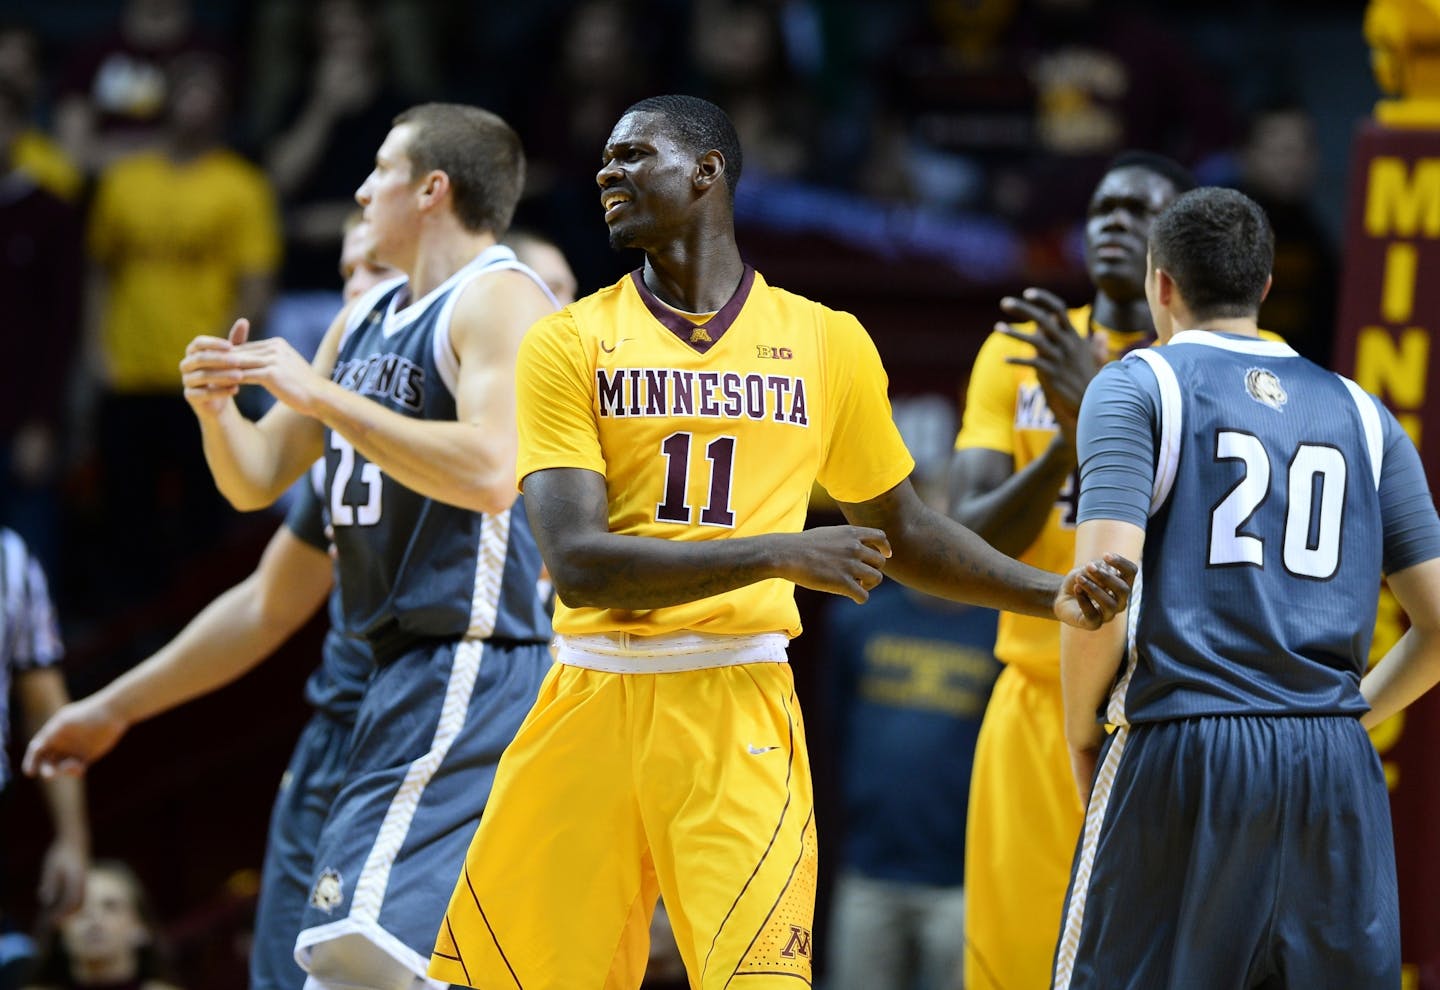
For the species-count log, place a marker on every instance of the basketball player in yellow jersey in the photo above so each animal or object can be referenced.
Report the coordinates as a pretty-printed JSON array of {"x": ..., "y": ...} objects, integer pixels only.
[
  {"x": 1012, "y": 482},
  {"x": 671, "y": 427}
]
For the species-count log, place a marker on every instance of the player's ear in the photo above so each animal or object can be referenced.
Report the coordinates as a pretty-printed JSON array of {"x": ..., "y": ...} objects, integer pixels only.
[
  {"x": 432, "y": 187},
  {"x": 1269, "y": 281},
  {"x": 709, "y": 169},
  {"x": 1165, "y": 289}
]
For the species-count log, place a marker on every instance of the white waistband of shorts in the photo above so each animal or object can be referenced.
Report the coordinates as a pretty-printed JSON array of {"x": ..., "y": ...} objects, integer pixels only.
[{"x": 628, "y": 653}]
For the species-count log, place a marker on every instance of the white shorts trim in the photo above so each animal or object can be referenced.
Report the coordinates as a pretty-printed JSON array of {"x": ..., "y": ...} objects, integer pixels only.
[
  {"x": 374, "y": 877},
  {"x": 627, "y": 653},
  {"x": 405, "y": 957},
  {"x": 369, "y": 893},
  {"x": 1074, "y": 919}
]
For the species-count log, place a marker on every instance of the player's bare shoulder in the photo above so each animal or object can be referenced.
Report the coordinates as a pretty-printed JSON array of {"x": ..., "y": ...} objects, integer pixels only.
[
  {"x": 498, "y": 306},
  {"x": 507, "y": 290}
]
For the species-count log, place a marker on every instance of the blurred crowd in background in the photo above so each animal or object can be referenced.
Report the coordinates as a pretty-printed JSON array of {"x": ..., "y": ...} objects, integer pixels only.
[
  {"x": 168, "y": 165},
  {"x": 201, "y": 160}
]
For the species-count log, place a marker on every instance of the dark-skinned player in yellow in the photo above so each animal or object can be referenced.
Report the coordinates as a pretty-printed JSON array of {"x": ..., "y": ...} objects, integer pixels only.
[{"x": 671, "y": 428}]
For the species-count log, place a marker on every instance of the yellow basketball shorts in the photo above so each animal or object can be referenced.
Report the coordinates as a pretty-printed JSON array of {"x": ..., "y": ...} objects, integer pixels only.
[
  {"x": 1020, "y": 834},
  {"x": 621, "y": 787}
]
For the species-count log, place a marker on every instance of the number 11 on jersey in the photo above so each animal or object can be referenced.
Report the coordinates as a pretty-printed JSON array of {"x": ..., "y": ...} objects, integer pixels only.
[{"x": 720, "y": 452}]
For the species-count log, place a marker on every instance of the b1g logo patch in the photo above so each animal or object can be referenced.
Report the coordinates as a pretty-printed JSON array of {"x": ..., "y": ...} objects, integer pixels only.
[
  {"x": 774, "y": 353},
  {"x": 329, "y": 892},
  {"x": 1264, "y": 387}
]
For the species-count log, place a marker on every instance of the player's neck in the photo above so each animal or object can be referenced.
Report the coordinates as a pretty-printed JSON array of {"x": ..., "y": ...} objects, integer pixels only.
[
  {"x": 440, "y": 254},
  {"x": 1122, "y": 317},
  {"x": 1240, "y": 326},
  {"x": 696, "y": 280}
]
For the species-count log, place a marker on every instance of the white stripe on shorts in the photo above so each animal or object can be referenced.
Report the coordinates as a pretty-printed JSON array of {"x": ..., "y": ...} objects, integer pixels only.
[
  {"x": 489, "y": 573},
  {"x": 375, "y": 875},
  {"x": 1085, "y": 860}
]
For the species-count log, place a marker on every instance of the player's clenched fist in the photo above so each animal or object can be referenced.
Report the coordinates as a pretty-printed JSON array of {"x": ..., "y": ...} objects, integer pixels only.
[
  {"x": 843, "y": 560},
  {"x": 1094, "y": 593}
]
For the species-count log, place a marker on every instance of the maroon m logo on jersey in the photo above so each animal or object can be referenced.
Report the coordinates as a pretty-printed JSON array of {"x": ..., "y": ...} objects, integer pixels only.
[{"x": 799, "y": 944}]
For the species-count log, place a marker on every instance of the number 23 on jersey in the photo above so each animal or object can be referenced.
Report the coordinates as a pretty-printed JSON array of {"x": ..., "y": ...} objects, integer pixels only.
[{"x": 365, "y": 512}]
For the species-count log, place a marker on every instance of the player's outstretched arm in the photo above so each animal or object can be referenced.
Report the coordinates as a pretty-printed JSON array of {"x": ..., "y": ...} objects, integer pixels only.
[
  {"x": 229, "y": 637},
  {"x": 591, "y": 566},
  {"x": 469, "y": 462},
  {"x": 1412, "y": 666},
  {"x": 40, "y": 693},
  {"x": 254, "y": 462},
  {"x": 1090, "y": 658},
  {"x": 940, "y": 557}
]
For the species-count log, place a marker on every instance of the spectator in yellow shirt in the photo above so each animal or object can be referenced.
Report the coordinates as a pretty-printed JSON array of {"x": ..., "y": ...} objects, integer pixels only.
[{"x": 183, "y": 238}]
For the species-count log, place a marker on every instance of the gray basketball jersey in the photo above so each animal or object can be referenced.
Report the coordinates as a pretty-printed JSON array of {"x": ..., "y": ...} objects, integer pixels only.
[
  {"x": 1277, "y": 492},
  {"x": 337, "y": 683},
  {"x": 412, "y": 568}
]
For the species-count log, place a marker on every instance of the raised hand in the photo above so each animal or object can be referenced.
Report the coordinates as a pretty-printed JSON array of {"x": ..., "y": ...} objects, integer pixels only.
[
  {"x": 73, "y": 738},
  {"x": 210, "y": 382},
  {"x": 213, "y": 371},
  {"x": 1064, "y": 361},
  {"x": 842, "y": 560},
  {"x": 1094, "y": 593},
  {"x": 277, "y": 367}
]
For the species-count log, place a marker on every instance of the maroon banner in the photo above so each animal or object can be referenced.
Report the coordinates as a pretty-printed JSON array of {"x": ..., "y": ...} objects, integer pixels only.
[{"x": 1389, "y": 312}]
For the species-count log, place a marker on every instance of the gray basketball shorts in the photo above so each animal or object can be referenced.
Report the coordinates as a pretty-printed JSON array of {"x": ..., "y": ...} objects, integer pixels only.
[{"x": 430, "y": 731}]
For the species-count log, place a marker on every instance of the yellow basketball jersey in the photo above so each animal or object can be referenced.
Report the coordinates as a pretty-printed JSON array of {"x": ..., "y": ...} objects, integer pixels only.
[
  {"x": 707, "y": 432},
  {"x": 1005, "y": 410}
]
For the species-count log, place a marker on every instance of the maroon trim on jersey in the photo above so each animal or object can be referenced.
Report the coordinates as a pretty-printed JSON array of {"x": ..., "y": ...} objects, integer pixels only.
[
  {"x": 714, "y": 328},
  {"x": 1143, "y": 341}
]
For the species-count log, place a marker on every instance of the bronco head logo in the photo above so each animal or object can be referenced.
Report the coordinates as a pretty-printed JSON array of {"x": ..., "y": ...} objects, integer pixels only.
[
  {"x": 329, "y": 891},
  {"x": 1264, "y": 387}
]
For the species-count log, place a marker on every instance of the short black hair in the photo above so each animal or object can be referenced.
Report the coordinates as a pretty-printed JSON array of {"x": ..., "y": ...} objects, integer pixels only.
[
  {"x": 1218, "y": 247},
  {"x": 700, "y": 126},
  {"x": 1168, "y": 168}
]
